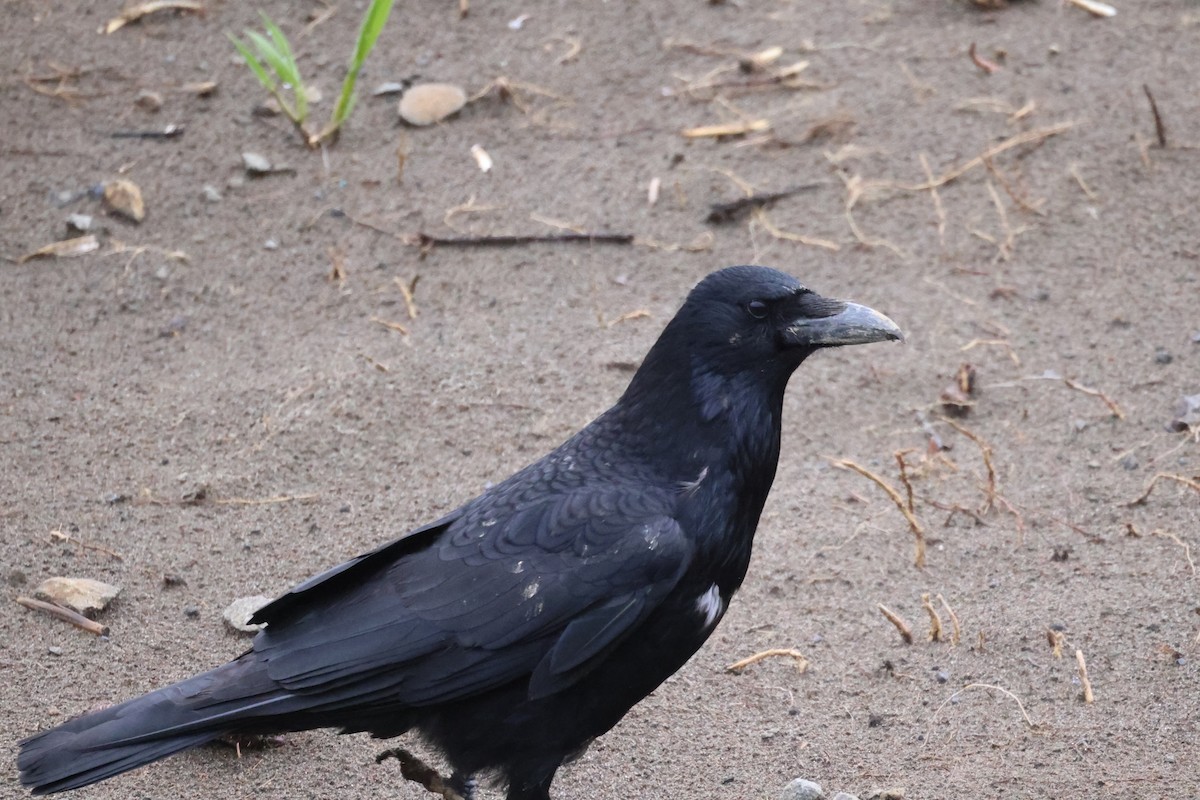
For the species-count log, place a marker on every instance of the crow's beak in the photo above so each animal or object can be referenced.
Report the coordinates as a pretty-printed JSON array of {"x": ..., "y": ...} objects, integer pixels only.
[{"x": 854, "y": 324}]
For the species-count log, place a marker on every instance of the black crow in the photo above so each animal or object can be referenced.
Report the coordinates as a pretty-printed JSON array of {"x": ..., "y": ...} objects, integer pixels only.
[{"x": 516, "y": 629}]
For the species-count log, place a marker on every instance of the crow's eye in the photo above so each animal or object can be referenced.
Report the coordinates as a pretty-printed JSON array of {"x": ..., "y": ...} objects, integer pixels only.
[{"x": 757, "y": 309}]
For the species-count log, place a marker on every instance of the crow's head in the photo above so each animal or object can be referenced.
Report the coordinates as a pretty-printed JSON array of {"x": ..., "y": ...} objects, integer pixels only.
[{"x": 757, "y": 319}]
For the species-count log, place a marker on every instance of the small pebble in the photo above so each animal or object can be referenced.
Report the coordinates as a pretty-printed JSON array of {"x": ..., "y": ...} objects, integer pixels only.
[
  {"x": 191, "y": 611},
  {"x": 427, "y": 103},
  {"x": 211, "y": 193},
  {"x": 391, "y": 87},
  {"x": 54, "y": 651},
  {"x": 237, "y": 615},
  {"x": 942, "y": 676},
  {"x": 148, "y": 100},
  {"x": 81, "y": 223},
  {"x": 1161, "y": 356},
  {"x": 801, "y": 789},
  {"x": 845, "y": 796},
  {"x": 87, "y": 596},
  {"x": 1129, "y": 462},
  {"x": 256, "y": 164},
  {"x": 271, "y": 244}
]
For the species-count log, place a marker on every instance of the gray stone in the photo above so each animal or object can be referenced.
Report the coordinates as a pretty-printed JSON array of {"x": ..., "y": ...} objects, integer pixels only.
[{"x": 801, "y": 789}]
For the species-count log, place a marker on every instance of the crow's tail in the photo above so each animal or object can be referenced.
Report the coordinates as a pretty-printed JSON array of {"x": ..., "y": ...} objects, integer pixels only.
[{"x": 105, "y": 743}]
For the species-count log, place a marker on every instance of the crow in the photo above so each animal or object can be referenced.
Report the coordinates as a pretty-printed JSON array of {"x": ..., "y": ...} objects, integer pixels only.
[{"x": 513, "y": 631}]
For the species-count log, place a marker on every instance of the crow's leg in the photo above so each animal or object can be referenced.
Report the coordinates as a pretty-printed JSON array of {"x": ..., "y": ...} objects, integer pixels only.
[
  {"x": 416, "y": 770},
  {"x": 465, "y": 785},
  {"x": 530, "y": 781}
]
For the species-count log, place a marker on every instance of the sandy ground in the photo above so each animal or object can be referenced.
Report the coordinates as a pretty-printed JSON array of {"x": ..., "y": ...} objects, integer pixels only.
[{"x": 130, "y": 378}]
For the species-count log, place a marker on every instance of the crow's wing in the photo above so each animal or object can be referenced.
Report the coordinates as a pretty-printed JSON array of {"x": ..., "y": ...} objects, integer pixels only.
[{"x": 534, "y": 589}]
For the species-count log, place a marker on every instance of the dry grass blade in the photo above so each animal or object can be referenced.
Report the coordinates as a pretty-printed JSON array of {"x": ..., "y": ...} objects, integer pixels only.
[
  {"x": 68, "y": 248},
  {"x": 1028, "y": 137},
  {"x": 1024, "y": 714},
  {"x": 1163, "y": 476},
  {"x": 727, "y": 129},
  {"x": 895, "y": 619},
  {"x": 913, "y": 523},
  {"x": 796, "y": 655},
  {"x": 134, "y": 13}
]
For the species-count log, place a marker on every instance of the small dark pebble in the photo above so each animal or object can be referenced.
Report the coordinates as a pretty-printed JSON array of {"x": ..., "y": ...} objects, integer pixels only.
[
  {"x": 171, "y": 580},
  {"x": 191, "y": 611},
  {"x": 942, "y": 676},
  {"x": 1161, "y": 356},
  {"x": 1129, "y": 462},
  {"x": 344, "y": 509},
  {"x": 114, "y": 498},
  {"x": 1061, "y": 553}
]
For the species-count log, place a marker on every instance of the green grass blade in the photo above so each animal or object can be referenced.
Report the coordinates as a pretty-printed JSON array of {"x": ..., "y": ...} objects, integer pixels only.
[
  {"x": 292, "y": 75},
  {"x": 253, "y": 63},
  {"x": 373, "y": 22}
]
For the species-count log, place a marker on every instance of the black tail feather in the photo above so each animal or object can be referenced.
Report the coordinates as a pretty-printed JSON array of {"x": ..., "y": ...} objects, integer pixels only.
[{"x": 105, "y": 743}]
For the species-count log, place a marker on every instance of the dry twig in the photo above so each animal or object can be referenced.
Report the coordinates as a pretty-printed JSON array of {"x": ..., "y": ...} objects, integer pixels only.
[
  {"x": 917, "y": 529},
  {"x": 955, "y": 629},
  {"x": 75, "y": 618},
  {"x": 1088, "y": 697},
  {"x": 1163, "y": 476},
  {"x": 796, "y": 655},
  {"x": 901, "y": 625},
  {"x": 935, "y": 621}
]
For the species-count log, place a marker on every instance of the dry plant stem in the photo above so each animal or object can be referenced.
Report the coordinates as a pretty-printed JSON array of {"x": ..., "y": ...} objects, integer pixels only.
[
  {"x": 908, "y": 489},
  {"x": 76, "y": 619},
  {"x": 938, "y": 208},
  {"x": 416, "y": 770},
  {"x": 85, "y": 545},
  {"x": 1088, "y": 697},
  {"x": 901, "y": 625},
  {"x": 935, "y": 621},
  {"x": 913, "y": 524},
  {"x": 1187, "y": 551},
  {"x": 1028, "y": 137},
  {"x": 393, "y": 326},
  {"x": 1154, "y": 481},
  {"x": 720, "y": 213},
  {"x": 796, "y": 655},
  {"x": 265, "y": 501},
  {"x": 1056, "y": 639},
  {"x": 1002, "y": 690},
  {"x": 955, "y": 628},
  {"x": 1160, "y": 130},
  {"x": 1112, "y": 406},
  {"x": 760, "y": 216},
  {"x": 986, "y": 450}
]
